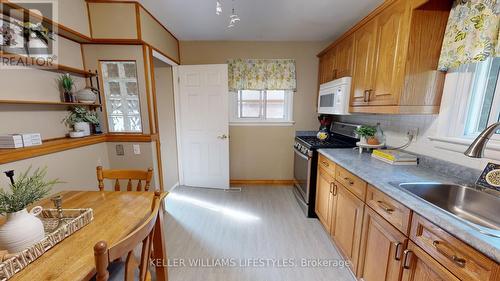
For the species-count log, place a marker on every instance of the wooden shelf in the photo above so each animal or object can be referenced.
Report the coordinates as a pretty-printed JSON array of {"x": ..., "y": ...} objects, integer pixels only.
[
  {"x": 25, "y": 102},
  {"x": 62, "y": 144},
  {"x": 27, "y": 61},
  {"x": 63, "y": 31}
]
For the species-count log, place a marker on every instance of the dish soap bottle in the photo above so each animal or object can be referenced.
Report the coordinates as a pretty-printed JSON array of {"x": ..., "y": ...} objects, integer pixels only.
[{"x": 379, "y": 135}]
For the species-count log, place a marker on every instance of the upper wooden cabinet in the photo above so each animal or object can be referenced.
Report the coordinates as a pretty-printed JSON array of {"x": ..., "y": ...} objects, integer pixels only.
[
  {"x": 344, "y": 55},
  {"x": 395, "y": 56},
  {"x": 326, "y": 64}
]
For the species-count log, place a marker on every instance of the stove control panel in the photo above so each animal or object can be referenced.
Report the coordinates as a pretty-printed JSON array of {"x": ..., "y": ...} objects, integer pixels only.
[{"x": 302, "y": 149}]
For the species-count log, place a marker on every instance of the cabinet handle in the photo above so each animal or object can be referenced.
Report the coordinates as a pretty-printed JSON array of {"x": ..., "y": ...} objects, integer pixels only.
[
  {"x": 350, "y": 181},
  {"x": 397, "y": 256},
  {"x": 385, "y": 207},
  {"x": 447, "y": 252},
  {"x": 331, "y": 187},
  {"x": 325, "y": 163},
  {"x": 405, "y": 261},
  {"x": 335, "y": 189}
]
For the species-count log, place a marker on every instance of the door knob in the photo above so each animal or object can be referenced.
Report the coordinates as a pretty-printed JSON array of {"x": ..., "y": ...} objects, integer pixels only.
[{"x": 223, "y": 137}]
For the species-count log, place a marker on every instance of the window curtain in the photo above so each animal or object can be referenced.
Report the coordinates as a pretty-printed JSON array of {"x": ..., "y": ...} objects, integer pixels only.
[
  {"x": 260, "y": 74},
  {"x": 471, "y": 33}
]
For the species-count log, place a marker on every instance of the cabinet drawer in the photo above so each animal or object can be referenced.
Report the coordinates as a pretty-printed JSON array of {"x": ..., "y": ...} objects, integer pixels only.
[
  {"x": 393, "y": 211},
  {"x": 458, "y": 257},
  {"x": 354, "y": 184},
  {"x": 326, "y": 164}
]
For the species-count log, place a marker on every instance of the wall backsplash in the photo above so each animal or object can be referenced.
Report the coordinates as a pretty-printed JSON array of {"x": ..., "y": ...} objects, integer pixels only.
[{"x": 396, "y": 126}]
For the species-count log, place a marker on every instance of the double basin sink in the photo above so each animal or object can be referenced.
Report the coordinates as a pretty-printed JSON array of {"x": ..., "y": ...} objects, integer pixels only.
[{"x": 477, "y": 208}]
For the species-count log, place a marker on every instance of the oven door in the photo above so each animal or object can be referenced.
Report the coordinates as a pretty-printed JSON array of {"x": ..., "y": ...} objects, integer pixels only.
[{"x": 302, "y": 173}]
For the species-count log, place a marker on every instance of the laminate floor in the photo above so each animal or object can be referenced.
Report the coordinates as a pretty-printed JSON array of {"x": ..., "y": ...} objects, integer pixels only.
[{"x": 258, "y": 234}]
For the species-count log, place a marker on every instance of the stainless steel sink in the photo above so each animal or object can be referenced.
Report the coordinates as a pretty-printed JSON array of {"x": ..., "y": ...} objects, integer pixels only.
[{"x": 477, "y": 208}]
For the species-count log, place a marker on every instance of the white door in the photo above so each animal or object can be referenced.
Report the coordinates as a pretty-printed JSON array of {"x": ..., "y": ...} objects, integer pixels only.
[{"x": 204, "y": 125}]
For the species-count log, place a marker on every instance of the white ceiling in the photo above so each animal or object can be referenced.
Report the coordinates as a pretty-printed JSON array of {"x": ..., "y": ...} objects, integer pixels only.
[{"x": 261, "y": 20}]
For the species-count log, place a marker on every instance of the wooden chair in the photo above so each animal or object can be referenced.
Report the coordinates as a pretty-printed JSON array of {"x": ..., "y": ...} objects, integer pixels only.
[
  {"x": 129, "y": 175},
  {"x": 143, "y": 234}
]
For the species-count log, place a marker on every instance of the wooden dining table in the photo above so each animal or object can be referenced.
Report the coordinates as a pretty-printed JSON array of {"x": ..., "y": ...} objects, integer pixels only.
[{"x": 116, "y": 214}]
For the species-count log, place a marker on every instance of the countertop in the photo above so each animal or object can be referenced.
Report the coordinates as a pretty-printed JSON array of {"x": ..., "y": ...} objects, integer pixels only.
[{"x": 381, "y": 175}]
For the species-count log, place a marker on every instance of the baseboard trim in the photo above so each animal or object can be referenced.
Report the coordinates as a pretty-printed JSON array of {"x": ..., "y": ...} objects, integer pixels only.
[
  {"x": 263, "y": 182},
  {"x": 173, "y": 187}
]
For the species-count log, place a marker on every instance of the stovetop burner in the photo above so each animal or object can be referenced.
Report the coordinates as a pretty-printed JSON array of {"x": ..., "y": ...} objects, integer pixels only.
[{"x": 312, "y": 142}]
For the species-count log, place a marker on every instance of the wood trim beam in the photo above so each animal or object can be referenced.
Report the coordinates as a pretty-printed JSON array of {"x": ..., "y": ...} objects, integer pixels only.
[{"x": 61, "y": 144}]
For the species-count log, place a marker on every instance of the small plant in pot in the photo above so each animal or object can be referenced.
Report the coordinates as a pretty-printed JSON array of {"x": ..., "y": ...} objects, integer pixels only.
[
  {"x": 66, "y": 82},
  {"x": 80, "y": 119},
  {"x": 367, "y": 134},
  {"x": 22, "y": 228}
]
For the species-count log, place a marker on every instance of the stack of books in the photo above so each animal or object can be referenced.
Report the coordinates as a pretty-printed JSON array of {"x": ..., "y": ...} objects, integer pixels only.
[
  {"x": 394, "y": 157},
  {"x": 20, "y": 140},
  {"x": 11, "y": 141}
]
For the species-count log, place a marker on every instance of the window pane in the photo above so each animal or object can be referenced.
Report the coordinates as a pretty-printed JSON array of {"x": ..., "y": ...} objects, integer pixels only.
[
  {"x": 250, "y": 104},
  {"x": 275, "y": 105},
  {"x": 481, "y": 106},
  {"x": 122, "y": 96}
]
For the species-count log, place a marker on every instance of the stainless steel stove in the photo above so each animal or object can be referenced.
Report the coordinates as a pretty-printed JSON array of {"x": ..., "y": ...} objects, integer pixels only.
[{"x": 306, "y": 160}]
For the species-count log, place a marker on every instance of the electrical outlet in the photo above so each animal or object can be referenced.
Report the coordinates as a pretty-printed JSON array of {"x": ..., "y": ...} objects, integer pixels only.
[
  {"x": 137, "y": 149},
  {"x": 119, "y": 150},
  {"x": 412, "y": 132}
]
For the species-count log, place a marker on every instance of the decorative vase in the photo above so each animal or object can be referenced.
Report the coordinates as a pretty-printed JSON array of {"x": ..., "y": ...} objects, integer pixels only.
[
  {"x": 86, "y": 96},
  {"x": 372, "y": 141},
  {"x": 67, "y": 96},
  {"x": 82, "y": 126},
  {"x": 21, "y": 230}
]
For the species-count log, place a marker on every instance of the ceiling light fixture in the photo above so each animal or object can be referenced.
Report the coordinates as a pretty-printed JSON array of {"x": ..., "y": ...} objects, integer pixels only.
[
  {"x": 218, "y": 8},
  {"x": 233, "y": 19}
]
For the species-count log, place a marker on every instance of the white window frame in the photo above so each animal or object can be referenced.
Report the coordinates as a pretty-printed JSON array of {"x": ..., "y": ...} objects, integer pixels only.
[
  {"x": 235, "y": 120},
  {"x": 121, "y": 81},
  {"x": 451, "y": 132}
]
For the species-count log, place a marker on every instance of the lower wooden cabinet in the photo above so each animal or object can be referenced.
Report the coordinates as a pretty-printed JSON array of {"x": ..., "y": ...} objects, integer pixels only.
[
  {"x": 382, "y": 247},
  {"x": 420, "y": 266},
  {"x": 347, "y": 222},
  {"x": 324, "y": 197}
]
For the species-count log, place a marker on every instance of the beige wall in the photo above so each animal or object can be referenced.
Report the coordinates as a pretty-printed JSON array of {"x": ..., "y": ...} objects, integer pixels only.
[
  {"x": 265, "y": 152},
  {"x": 74, "y": 14},
  {"x": 75, "y": 167},
  {"x": 113, "y": 20},
  {"x": 166, "y": 120},
  {"x": 153, "y": 33}
]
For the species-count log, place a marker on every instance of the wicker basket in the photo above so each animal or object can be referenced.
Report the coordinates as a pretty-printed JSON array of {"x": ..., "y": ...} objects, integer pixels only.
[{"x": 56, "y": 230}]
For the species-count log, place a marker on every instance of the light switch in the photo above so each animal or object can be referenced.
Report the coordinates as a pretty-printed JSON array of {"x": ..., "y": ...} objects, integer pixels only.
[{"x": 137, "y": 149}]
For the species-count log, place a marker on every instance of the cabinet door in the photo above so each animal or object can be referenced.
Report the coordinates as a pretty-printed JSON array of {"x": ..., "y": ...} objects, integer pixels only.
[
  {"x": 419, "y": 266},
  {"x": 324, "y": 197},
  {"x": 382, "y": 248},
  {"x": 392, "y": 37},
  {"x": 347, "y": 223},
  {"x": 326, "y": 67},
  {"x": 365, "y": 40},
  {"x": 344, "y": 55}
]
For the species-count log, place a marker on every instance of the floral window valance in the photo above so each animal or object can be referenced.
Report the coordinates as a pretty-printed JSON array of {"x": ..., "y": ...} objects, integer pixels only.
[
  {"x": 262, "y": 74},
  {"x": 471, "y": 33}
]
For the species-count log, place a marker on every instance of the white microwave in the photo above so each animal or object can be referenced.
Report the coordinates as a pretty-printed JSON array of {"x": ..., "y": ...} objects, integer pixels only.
[{"x": 334, "y": 96}]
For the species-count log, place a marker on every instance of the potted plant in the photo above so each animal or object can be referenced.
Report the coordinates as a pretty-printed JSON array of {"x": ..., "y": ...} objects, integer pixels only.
[
  {"x": 22, "y": 229},
  {"x": 80, "y": 119},
  {"x": 66, "y": 82},
  {"x": 367, "y": 134}
]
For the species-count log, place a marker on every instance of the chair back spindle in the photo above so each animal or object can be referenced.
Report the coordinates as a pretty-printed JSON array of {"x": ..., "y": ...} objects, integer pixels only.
[{"x": 130, "y": 175}]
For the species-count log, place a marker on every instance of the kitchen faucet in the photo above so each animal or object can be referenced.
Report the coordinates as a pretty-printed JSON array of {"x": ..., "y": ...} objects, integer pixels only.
[{"x": 476, "y": 149}]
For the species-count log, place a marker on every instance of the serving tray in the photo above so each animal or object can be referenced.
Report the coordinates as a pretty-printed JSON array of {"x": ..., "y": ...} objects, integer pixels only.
[{"x": 56, "y": 230}]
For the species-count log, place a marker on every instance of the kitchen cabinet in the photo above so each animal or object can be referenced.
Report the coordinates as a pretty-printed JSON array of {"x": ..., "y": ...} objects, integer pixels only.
[
  {"x": 326, "y": 64},
  {"x": 420, "y": 266},
  {"x": 391, "y": 28},
  {"x": 364, "y": 51},
  {"x": 324, "y": 197},
  {"x": 347, "y": 220},
  {"x": 382, "y": 247},
  {"x": 344, "y": 56},
  {"x": 396, "y": 50}
]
